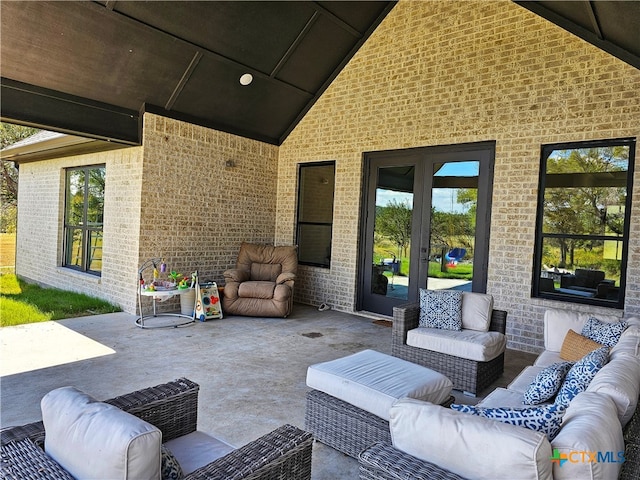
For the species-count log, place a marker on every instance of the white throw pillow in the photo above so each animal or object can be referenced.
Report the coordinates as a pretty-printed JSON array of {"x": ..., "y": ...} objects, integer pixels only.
[
  {"x": 620, "y": 380},
  {"x": 95, "y": 440},
  {"x": 476, "y": 311}
]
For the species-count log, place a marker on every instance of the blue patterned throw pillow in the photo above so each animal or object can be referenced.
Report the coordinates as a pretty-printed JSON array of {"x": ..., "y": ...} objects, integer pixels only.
[
  {"x": 603, "y": 332},
  {"x": 170, "y": 468},
  {"x": 580, "y": 375},
  {"x": 441, "y": 309},
  {"x": 545, "y": 419},
  {"x": 547, "y": 383}
]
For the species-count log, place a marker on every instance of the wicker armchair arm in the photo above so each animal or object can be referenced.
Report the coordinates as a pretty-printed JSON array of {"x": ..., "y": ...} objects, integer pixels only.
[
  {"x": 284, "y": 453},
  {"x": 24, "y": 459},
  {"x": 498, "y": 321},
  {"x": 382, "y": 461},
  {"x": 33, "y": 431},
  {"x": 172, "y": 407},
  {"x": 405, "y": 317}
]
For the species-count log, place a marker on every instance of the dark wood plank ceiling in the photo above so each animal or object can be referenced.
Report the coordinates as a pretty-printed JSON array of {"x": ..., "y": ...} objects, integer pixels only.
[
  {"x": 98, "y": 64},
  {"x": 92, "y": 68},
  {"x": 613, "y": 26}
]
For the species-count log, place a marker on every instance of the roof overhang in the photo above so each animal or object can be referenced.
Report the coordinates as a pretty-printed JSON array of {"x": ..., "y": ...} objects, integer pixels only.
[
  {"x": 92, "y": 68},
  {"x": 48, "y": 145}
]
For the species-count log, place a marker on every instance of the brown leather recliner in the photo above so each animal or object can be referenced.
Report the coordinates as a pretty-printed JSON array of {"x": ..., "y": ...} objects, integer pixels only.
[{"x": 261, "y": 285}]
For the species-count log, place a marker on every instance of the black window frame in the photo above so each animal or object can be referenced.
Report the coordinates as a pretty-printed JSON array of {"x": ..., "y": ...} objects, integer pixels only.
[
  {"x": 540, "y": 236},
  {"x": 84, "y": 227},
  {"x": 300, "y": 224}
]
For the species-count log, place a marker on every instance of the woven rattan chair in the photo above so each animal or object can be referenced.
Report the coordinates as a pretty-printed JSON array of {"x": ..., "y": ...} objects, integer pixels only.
[
  {"x": 284, "y": 453},
  {"x": 467, "y": 375}
]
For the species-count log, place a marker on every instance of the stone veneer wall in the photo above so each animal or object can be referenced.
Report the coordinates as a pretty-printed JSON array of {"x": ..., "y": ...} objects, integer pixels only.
[
  {"x": 195, "y": 210},
  {"x": 40, "y": 221},
  {"x": 448, "y": 72}
]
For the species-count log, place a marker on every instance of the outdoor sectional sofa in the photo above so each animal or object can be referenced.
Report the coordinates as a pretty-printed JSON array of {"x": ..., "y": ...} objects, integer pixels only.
[
  {"x": 430, "y": 441},
  {"x": 171, "y": 408}
]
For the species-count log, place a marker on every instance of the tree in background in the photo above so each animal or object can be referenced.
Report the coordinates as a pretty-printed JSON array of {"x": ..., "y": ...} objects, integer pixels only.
[
  {"x": 577, "y": 205},
  {"x": 394, "y": 222},
  {"x": 10, "y": 134}
]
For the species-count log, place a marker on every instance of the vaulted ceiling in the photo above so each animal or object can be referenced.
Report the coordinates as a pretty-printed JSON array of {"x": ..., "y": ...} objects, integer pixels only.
[
  {"x": 95, "y": 65},
  {"x": 92, "y": 68}
]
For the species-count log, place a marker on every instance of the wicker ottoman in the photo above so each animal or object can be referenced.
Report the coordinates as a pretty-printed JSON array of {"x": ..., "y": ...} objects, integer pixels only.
[{"x": 348, "y": 408}]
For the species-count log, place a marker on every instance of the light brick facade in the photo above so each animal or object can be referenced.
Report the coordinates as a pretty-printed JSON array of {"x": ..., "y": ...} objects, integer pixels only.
[
  {"x": 173, "y": 198},
  {"x": 195, "y": 210},
  {"x": 40, "y": 225},
  {"x": 449, "y": 72},
  {"x": 433, "y": 73}
]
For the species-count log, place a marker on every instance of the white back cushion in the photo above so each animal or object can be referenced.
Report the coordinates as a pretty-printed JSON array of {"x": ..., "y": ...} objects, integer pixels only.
[
  {"x": 476, "y": 311},
  {"x": 95, "y": 440},
  {"x": 620, "y": 380},
  {"x": 463, "y": 443},
  {"x": 589, "y": 425},
  {"x": 557, "y": 322}
]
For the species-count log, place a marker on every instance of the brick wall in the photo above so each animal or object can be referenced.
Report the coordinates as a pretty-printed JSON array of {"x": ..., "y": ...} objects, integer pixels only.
[
  {"x": 196, "y": 210},
  {"x": 173, "y": 198},
  {"x": 40, "y": 222},
  {"x": 448, "y": 72}
]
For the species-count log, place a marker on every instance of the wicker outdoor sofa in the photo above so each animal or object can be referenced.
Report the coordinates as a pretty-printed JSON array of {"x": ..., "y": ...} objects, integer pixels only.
[
  {"x": 600, "y": 400},
  {"x": 284, "y": 453},
  {"x": 383, "y": 462},
  {"x": 467, "y": 375}
]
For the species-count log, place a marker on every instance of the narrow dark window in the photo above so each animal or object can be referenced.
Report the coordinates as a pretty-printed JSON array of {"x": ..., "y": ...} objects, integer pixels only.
[
  {"x": 316, "y": 185},
  {"x": 84, "y": 218},
  {"x": 583, "y": 222}
]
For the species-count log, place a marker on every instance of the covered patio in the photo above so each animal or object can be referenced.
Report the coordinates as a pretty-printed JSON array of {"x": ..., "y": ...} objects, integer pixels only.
[
  {"x": 191, "y": 184},
  {"x": 251, "y": 371}
]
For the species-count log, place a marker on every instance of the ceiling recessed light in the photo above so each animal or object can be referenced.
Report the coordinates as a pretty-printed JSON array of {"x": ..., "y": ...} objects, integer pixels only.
[{"x": 246, "y": 79}]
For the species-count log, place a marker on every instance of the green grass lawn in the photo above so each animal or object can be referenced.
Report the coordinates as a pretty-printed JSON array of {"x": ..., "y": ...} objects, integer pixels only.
[
  {"x": 22, "y": 302},
  {"x": 463, "y": 271},
  {"x": 7, "y": 252}
]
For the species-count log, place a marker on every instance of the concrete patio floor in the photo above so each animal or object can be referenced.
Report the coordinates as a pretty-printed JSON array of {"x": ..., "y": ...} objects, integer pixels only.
[{"x": 251, "y": 371}]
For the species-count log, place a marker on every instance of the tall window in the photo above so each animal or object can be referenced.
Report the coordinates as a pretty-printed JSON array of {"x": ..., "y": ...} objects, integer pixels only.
[
  {"x": 316, "y": 182},
  {"x": 84, "y": 218},
  {"x": 583, "y": 221}
]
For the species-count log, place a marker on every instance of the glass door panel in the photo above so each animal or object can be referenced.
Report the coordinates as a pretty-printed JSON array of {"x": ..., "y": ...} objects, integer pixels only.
[
  {"x": 392, "y": 232},
  {"x": 454, "y": 203},
  {"x": 390, "y": 265}
]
